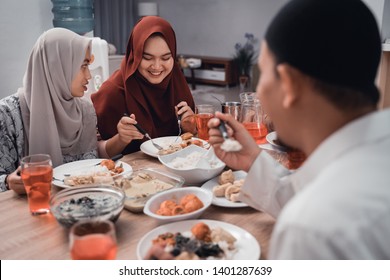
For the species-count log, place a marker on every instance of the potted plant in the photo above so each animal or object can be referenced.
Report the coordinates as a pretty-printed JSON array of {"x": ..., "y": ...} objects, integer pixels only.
[{"x": 244, "y": 58}]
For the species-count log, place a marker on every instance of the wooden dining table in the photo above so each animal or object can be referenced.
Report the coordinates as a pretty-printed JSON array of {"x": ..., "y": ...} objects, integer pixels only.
[{"x": 26, "y": 237}]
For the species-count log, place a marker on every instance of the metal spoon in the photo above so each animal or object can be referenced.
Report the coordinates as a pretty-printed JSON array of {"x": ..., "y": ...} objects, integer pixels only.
[{"x": 179, "y": 124}]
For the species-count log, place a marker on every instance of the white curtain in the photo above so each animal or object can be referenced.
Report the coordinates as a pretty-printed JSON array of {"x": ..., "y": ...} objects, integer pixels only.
[{"x": 114, "y": 20}]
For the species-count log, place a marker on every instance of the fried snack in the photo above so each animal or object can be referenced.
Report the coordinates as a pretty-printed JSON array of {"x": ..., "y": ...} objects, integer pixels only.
[
  {"x": 178, "y": 210},
  {"x": 164, "y": 212},
  {"x": 165, "y": 239},
  {"x": 185, "y": 199},
  {"x": 192, "y": 205},
  {"x": 189, "y": 203},
  {"x": 187, "y": 135},
  {"x": 219, "y": 190},
  {"x": 201, "y": 231},
  {"x": 110, "y": 164},
  {"x": 226, "y": 177},
  {"x": 231, "y": 190}
]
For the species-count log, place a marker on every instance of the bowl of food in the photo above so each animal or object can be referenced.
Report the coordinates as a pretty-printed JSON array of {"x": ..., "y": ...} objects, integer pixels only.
[
  {"x": 141, "y": 185},
  {"x": 195, "y": 164},
  {"x": 88, "y": 202},
  {"x": 178, "y": 204}
]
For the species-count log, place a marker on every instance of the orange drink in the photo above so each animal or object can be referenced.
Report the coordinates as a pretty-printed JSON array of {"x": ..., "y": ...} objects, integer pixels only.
[
  {"x": 93, "y": 240},
  {"x": 201, "y": 125},
  {"x": 203, "y": 113},
  {"x": 37, "y": 174},
  {"x": 94, "y": 247},
  {"x": 252, "y": 118},
  {"x": 257, "y": 130}
]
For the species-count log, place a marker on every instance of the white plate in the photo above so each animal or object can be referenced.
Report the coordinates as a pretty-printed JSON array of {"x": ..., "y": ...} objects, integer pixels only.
[
  {"x": 75, "y": 167},
  {"x": 247, "y": 246},
  {"x": 148, "y": 148},
  {"x": 221, "y": 201},
  {"x": 271, "y": 138}
]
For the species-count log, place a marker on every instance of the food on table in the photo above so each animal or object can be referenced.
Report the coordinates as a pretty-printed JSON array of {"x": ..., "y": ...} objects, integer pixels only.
[
  {"x": 228, "y": 187},
  {"x": 202, "y": 242},
  {"x": 110, "y": 164},
  {"x": 232, "y": 192},
  {"x": 186, "y": 141},
  {"x": 187, "y": 135},
  {"x": 88, "y": 206},
  {"x": 142, "y": 185},
  {"x": 219, "y": 190},
  {"x": 226, "y": 177},
  {"x": 101, "y": 174},
  {"x": 201, "y": 231},
  {"x": 189, "y": 203},
  {"x": 97, "y": 178}
]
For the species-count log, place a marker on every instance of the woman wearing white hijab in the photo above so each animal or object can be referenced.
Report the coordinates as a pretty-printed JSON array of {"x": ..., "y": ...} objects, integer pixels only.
[{"x": 46, "y": 115}]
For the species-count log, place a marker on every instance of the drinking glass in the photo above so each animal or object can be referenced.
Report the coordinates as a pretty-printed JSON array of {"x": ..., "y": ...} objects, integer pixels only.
[
  {"x": 37, "y": 174},
  {"x": 93, "y": 240},
  {"x": 252, "y": 119},
  {"x": 203, "y": 113},
  {"x": 233, "y": 108}
]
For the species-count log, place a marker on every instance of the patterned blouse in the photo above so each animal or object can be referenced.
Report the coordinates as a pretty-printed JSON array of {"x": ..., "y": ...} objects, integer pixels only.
[{"x": 12, "y": 139}]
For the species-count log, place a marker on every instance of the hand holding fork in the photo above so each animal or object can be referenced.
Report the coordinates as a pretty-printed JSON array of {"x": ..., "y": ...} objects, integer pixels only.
[{"x": 140, "y": 129}]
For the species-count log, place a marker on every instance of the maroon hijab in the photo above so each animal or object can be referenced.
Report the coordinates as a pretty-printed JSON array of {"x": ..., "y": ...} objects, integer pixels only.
[{"x": 127, "y": 91}]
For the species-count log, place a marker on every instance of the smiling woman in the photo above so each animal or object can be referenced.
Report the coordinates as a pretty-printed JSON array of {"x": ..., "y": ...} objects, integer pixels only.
[{"x": 149, "y": 89}]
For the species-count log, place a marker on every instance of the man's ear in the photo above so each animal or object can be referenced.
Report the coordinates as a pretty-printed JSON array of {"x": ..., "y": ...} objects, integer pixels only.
[{"x": 290, "y": 80}]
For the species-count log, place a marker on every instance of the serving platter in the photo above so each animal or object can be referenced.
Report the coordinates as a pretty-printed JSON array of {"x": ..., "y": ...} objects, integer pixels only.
[{"x": 247, "y": 247}]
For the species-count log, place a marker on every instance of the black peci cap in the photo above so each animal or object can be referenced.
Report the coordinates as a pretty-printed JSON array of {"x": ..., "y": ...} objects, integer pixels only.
[{"x": 334, "y": 41}]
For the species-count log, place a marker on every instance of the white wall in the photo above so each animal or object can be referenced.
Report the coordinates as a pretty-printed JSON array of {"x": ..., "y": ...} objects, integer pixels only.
[
  {"x": 203, "y": 27},
  {"x": 21, "y": 23},
  {"x": 376, "y": 7},
  {"x": 213, "y": 27}
]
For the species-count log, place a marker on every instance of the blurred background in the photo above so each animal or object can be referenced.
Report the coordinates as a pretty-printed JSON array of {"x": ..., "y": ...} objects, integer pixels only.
[{"x": 203, "y": 27}]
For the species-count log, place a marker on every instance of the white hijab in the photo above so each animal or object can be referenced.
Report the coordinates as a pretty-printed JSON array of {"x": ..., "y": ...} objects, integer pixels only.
[{"x": 54, "y": 121}]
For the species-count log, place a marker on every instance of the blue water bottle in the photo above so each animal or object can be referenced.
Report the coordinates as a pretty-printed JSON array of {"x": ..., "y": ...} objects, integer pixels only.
[{"x": 76, "y": 15}]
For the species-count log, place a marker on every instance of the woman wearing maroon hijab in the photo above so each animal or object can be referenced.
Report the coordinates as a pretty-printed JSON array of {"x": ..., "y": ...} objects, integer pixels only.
[{"x": 149, "y": 87}]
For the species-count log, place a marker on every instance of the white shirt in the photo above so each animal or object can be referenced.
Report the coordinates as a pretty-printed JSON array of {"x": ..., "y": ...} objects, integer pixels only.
[{"x": 337, "y": 205}]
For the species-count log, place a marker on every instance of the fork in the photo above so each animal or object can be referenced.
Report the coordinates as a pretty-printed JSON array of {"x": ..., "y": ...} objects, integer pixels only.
[
  {"x": 140, "y": 129},
  {"x": 179, "y": 124},
  {"x": 157, "y": 146}
]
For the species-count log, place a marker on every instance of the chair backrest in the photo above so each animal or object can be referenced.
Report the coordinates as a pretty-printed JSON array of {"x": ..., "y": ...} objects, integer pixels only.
[{"x": 99, "y": 67}]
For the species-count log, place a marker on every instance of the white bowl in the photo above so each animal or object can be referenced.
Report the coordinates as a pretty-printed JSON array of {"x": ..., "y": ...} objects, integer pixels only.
[
  {"x": 193, "y": 175},
  {"x": 153, "y": 204}
]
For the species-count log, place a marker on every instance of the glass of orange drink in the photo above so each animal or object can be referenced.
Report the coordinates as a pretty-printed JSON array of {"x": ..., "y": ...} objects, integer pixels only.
[
  {"x": 252, "y": 118},
  {"x": 37, "y": 174},
  {"x": 203, "y": 113},
  {"x": 93, "y": 240}
]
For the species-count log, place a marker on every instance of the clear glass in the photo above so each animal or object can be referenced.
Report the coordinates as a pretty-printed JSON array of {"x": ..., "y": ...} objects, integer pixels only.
[
  {"x": 203, "y": 113},
  {"x": 93, "y": 240},
  {"x": 247, "y": 96},
  {"x": 252, "y": 119},
  {"x": 232, "y": 108},
  {"x": 37, "y": 175}
]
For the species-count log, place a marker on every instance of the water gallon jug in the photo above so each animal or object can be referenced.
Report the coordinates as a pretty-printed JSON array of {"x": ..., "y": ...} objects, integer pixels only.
[{"x": 76, "y": 15}]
